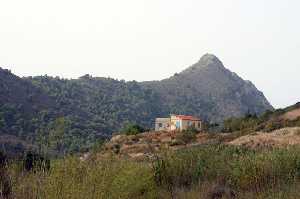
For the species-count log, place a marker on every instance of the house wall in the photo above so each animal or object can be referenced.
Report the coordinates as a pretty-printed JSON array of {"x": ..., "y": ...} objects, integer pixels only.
[
  {"x": 173, "y": 123},
  {"x": 188, "y": 123},
  {"x": 162, "y": 124}
]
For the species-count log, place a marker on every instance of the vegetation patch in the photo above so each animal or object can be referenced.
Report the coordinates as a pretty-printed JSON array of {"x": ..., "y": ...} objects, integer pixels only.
[
  {"x": 132, "y": 129},
  {"x": 197, "y": 172}
]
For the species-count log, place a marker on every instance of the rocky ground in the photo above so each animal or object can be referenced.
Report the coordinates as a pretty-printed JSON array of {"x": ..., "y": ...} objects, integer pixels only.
[{"x": 145, "y": 145}]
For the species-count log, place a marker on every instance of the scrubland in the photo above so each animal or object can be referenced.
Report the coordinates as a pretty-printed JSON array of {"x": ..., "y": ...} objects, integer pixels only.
[{"x": 210, "y": 171}]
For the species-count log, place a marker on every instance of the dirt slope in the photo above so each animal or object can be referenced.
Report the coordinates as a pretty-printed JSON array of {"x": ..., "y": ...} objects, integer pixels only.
[
  {"x": 279, "y": 138},
  {"x": 149, "y": 143},
  {"x": 292, "y": 115}
]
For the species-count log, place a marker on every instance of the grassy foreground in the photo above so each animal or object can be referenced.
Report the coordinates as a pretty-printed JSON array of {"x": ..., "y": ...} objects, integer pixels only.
[{"x": 205, "y": 172}]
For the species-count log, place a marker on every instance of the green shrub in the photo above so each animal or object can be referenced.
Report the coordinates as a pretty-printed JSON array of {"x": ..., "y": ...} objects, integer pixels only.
[
  {"x": 5, "y": 184},
  {"x": 97, "y": 147},
  {"x": 187, "y": 136},
  {"x": 132, "y": 129},
  {"x": 241, "y": 168},
  {"x": 71, "y": 178},
  {"x": 249, "y": 122}
]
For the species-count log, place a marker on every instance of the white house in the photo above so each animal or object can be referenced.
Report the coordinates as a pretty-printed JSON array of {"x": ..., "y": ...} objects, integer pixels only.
[{"x": 178, "y": 122}]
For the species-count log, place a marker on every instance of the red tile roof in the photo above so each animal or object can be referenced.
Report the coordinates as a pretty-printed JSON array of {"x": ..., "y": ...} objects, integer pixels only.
[{"x": 187, "y": 117}]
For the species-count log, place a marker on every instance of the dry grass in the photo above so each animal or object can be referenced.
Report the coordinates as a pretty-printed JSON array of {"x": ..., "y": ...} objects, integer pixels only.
[
  {"x": 194, "y": 173},
  {"x": 74, "y": 179},
  {"x": 279, "y": 138},
  {"x": 292, "y": 115}
]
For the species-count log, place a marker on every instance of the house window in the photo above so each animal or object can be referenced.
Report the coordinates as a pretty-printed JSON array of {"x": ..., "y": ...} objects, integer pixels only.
[
  {"x": 177, "y": 124},
  {"x": 199, "y": 125},
  {"x": 160, "y": 125}
]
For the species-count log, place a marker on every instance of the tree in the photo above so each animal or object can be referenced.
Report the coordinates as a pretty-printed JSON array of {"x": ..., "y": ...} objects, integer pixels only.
[
  {"x": 57, "y": 133},
  {"x": 5, "y": 183},
  {"x": 2, "y": 123}
]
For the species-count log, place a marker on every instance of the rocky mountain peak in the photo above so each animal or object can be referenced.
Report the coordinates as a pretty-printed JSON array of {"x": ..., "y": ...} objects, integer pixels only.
[
  {"x": 5, "y": 71},
  {"x": 209, "y": 60},
  {"x": 209, "y": 90}
]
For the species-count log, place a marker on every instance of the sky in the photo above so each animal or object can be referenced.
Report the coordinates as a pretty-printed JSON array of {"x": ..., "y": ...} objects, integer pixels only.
[{"x": 153, "y": 39}]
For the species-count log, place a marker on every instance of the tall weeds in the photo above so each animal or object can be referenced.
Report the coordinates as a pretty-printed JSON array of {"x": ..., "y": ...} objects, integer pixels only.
[
  {"x": 241, "y": 169},
  {"x": 73, "y": 179},
  {"x": 189, "y": 173}
]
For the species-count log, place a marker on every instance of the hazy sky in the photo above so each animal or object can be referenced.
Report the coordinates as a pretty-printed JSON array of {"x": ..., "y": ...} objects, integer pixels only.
[{"x": 153, "y": 39}]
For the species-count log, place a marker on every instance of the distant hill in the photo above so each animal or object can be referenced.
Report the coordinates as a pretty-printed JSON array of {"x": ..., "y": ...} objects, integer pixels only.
[
  {"x": 66, "y": 115},
  {"x": 208, "y": 90}
]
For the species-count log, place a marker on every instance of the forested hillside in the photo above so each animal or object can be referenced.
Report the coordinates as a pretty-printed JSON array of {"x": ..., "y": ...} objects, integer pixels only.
[{"x": 66, "y": 115}]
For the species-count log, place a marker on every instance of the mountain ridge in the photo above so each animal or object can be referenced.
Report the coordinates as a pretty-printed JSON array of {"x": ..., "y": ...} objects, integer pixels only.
[
  {"x": 209, "y": 79},
  {"x": 89, "y": 107}
]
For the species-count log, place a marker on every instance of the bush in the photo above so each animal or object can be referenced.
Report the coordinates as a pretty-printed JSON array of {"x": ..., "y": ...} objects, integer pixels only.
[
  {"x": 34, "y": 161},
  {"x": 2, "y": 160},
  {"x": 71, "y": 178},
  {"x": 5, "y": 183},
  {"x": 240, "y": 168},
  {"x": 132, "y": 129},
  {"x": 187, "y": 136},
  {"x": 248, "y": 122},
  {"x": 98, "y": 146}
]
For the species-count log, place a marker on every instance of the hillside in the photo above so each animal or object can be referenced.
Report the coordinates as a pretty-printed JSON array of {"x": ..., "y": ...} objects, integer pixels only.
[
  {"x": 67, "y": 115},
  {"x": 208, "y": 90},
  {"x": 22, "y": 105},
  {"x": 145, "y": 145},
  {"x": 277, "y": 129},
  {"x": 71, "y": 114},
  {"x": 286, "y": 137},
  {"x": 269, "y": 121},
  {"x": 168, "y": 166}
]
